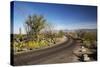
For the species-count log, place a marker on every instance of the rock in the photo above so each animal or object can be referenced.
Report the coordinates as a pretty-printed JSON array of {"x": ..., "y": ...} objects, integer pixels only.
[{"x": 86, "y": 58}]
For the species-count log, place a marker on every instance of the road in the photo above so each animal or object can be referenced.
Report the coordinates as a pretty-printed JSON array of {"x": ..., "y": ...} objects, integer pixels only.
[{"x": 62, "y": 53}]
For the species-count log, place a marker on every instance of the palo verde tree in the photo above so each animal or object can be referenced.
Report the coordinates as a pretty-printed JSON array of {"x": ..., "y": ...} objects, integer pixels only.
[{"x": 34, "y": 25}]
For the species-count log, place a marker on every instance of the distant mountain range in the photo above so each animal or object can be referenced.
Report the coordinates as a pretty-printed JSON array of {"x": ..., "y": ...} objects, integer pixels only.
[
  {"x": 83, "y": 30},
  {"x": 87, "y": 30}
]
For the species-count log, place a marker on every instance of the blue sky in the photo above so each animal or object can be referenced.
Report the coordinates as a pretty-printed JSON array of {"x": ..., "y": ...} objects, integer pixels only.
[{"x": 59, "y": 15}]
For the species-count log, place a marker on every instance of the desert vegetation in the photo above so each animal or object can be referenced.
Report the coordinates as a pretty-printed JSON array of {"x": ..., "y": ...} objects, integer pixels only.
[
  {"x": 88, "y": 49},
  {"x": 39, "y": 34}
]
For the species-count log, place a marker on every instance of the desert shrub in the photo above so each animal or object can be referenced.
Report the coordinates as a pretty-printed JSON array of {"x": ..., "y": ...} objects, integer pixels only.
[
  {"x": 37, "y": 44},
  {"x": 89, "y": 38}
]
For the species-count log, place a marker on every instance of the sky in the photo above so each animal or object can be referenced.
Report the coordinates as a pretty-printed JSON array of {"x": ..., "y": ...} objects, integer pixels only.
[{"x": 61, "y": 16}]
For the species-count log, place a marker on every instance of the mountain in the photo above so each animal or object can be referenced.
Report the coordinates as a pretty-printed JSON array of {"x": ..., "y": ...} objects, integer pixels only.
[{"x": 87, "y": 30}]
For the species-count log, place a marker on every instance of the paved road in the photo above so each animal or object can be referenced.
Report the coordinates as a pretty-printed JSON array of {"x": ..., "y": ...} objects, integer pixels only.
[{"x": 58, "y": 54}]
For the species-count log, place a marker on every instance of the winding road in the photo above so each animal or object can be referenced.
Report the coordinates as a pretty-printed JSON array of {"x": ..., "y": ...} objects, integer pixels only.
[{"x": 62, "y": 53}]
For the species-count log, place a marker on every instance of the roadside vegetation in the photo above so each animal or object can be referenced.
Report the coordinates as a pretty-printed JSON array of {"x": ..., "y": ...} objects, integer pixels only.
[
  {"x": 39, "y": 34},
  {"x": 88, "y": 50}
]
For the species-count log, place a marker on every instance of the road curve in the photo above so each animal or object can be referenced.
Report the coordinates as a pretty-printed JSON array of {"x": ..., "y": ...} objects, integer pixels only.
[{"x": 45, "y": 55}]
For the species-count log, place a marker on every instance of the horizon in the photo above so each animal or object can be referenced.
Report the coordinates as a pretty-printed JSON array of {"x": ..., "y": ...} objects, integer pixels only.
[
  {"x": 72, "y": 30},
  {"x": 62, "y": 16}
]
